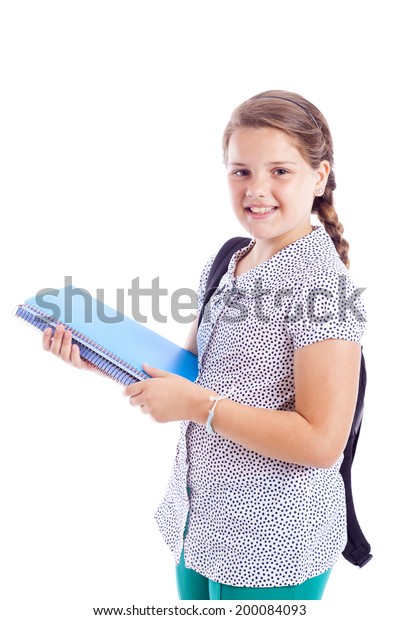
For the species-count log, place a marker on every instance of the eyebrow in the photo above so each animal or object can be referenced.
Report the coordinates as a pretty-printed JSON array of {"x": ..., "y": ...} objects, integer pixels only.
[{"x": 270, "y": 163}]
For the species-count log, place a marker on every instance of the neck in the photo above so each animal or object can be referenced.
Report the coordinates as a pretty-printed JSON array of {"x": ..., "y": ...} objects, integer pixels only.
[{"x": 264, "y": 249}]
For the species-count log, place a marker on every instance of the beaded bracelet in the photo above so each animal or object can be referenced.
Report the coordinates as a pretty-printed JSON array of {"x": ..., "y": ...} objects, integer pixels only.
[{"x": 216, "y": 400}]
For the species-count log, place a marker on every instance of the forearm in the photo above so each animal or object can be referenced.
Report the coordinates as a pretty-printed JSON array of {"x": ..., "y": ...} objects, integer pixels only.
[
  {"x": 326, "y": 377},
  {"x": 314, "y": 435},
  {"x": 283, "y": 435}
]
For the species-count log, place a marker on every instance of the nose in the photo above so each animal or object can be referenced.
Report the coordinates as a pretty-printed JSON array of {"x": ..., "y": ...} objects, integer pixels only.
[
  {"x": 255, "y": 193},
  {"x": 257, "y": 188}
]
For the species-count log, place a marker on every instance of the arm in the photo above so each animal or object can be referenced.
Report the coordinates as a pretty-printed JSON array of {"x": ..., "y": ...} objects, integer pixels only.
[
  {"x": 314, "y": 435},
  {"x": 191, "y": 341}
]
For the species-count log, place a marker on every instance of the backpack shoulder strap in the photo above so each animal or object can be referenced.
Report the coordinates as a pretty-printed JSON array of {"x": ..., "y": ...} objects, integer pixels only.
[
  {"x": 358, "y": 549},
  {"x": 219, "y": 267}
]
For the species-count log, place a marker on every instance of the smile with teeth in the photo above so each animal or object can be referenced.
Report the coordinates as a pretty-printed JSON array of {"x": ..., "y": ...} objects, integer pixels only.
[{"x": 261, "y": 210}]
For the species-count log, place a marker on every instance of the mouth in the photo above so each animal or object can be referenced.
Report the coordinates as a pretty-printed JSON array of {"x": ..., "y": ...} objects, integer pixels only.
[{"x": 260, "y": 210}]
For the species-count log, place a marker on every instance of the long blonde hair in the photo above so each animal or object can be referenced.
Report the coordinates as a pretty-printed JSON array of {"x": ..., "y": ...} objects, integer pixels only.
[{"x": 302, "y": 121}]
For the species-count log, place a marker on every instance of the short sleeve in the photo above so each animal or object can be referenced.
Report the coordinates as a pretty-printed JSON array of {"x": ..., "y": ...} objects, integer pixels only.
[{"x": 326, "y": 305}]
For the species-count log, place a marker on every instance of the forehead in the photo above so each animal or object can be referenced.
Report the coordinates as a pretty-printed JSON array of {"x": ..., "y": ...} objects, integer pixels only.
[{"x": 265, "y": 142}]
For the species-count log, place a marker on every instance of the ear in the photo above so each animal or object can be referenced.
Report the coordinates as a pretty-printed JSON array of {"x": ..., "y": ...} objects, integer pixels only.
[{"x": 322, "y": 173}]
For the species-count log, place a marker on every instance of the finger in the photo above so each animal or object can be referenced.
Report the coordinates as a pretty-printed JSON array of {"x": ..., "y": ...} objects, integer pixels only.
[
  {"x": 154, "y": 372},
  {"x": 66, "y": 345},
  {"x": 133, "y": 389},
  {"x": 46, "y": 338},
  {"x": 57, "y": 340},
  {"x": 75, "y": 357},
  {"x": 137, "y": 401}
]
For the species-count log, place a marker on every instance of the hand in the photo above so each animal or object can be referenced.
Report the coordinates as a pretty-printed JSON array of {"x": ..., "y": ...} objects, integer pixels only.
[
  {"x": 167, "y": 397},
  {"x": 61, "y": 346}
]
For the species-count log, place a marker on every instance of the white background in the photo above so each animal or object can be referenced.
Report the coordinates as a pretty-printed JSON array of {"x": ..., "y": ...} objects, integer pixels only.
[{"x": 111, "y": 122}]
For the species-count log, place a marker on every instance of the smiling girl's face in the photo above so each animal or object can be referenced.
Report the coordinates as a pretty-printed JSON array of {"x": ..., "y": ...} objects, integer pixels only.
[{"x": 272, "y": 187}]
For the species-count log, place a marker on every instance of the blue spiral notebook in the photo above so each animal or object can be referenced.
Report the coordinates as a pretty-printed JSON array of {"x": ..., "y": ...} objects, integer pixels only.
[{"x": 114, "y": 343}]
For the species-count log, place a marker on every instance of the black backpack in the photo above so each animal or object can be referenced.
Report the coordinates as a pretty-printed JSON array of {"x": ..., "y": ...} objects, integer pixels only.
[{"x": 357, "y": 550}]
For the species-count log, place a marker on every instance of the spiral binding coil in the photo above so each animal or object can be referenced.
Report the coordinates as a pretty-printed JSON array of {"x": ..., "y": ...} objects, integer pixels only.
[{"x": 106, "y": 362}]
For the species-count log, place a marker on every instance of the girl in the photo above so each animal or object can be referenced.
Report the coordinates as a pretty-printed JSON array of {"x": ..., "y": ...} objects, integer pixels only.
[{"x": 255, "y": 508}]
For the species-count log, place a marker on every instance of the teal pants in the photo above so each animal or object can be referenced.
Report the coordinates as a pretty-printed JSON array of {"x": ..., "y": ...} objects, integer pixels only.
[{"x": 194, "y": 587}]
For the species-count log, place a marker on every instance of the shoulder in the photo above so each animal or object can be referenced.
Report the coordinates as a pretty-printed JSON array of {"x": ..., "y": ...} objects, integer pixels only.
[
  {"x": 324, "y": 274},
  {"x": 326, "y": 303},
  {"x": 219, "y": 262},
  {"x": 204, "y": 274},
  {"x": 319, "y": 264}
]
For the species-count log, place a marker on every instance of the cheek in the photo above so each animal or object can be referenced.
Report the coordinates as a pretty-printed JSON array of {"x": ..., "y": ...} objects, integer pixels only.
[
  {"x": 235, "y": 193},
  {"x": 292, "y": 192}
]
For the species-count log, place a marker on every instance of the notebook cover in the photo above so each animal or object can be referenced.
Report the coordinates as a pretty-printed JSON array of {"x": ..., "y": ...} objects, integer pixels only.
[{"x": 111, "y": 332}]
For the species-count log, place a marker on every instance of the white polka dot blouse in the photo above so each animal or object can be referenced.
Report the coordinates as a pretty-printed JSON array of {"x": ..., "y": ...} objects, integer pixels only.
[{"x": 244, "y": 519}]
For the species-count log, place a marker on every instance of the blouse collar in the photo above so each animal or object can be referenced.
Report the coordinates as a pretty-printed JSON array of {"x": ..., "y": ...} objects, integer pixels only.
[{"x": 315, "y": 246}]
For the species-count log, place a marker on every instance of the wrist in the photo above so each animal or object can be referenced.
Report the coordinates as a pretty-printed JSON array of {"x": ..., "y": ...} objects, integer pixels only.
[
  {"x": 205, "y": 407},
  {"x": 200, "y": 409},
  {"x": 214, "y": 402}
]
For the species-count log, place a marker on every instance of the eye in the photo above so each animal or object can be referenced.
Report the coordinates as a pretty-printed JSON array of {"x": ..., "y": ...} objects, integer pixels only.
[
  {"x": 241, "y": 172},
  {"x": 280, "y": 172}
]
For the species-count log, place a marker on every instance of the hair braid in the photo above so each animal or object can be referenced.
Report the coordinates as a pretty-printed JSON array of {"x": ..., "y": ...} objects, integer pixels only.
[{"x": 324, "y": 208}]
